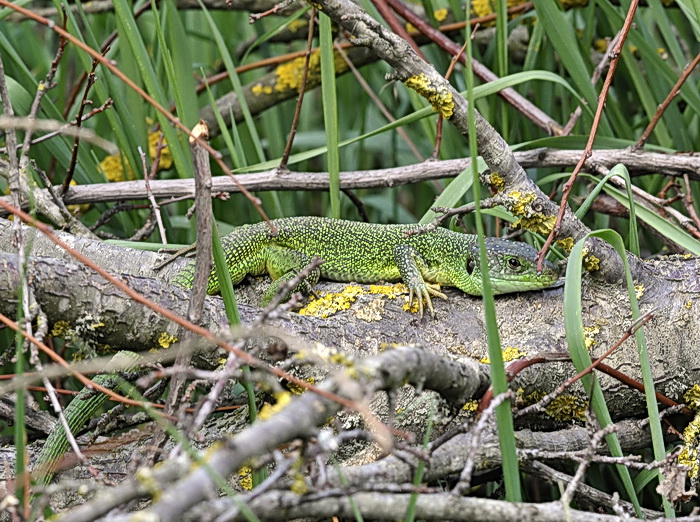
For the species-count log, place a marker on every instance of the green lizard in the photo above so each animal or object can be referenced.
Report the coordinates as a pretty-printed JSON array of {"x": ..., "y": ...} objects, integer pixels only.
[
  {"x": 351, "y": 251},
  {"x": 367, "y": 253},
  {"x": 80, "y": 409}
]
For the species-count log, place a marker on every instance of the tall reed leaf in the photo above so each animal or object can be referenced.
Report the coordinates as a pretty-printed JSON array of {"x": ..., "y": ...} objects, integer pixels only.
[
  {"x": 330, "y": 111},
  {"x": 573, "y": 323},
  {"x": 504, "y": 419}
]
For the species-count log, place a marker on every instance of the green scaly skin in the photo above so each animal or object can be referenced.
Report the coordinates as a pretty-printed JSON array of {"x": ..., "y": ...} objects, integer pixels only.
[
  {"x": 81, "y": 408},
  {"x": 368, "y": 253}
]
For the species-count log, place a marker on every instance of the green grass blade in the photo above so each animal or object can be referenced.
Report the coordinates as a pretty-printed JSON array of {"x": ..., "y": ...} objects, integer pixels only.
[
  {"x": 573, "y": 323},
  {"x": 617, "y": 170},
  {"x": 178, "y": 62},
  {"x": 20, "y": 428},
  {"x": 180, "y": 154},
  {"x": 235, "y": 81},
  {"x": 221, "y": 266},
  {"x": 330, "y": 111},
  {"x": 563, "y": 37},
  {"x": 670, "y": 230},
  {"x": 234, "y": 319},
  {"x": 502, "y": 59},
  {"x": 504, "y": 418}
]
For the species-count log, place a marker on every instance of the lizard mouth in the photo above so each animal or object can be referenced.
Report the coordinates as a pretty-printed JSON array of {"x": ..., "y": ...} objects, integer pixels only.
[{"x": 505, "y": 283}]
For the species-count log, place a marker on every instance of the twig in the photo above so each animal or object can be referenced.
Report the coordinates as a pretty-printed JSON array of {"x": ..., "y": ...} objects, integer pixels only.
[
  {"x": 675, "y": 91},
  {"x": 302, "y": 90},
  {"x": 106, "y": 105},
  {"x": 78, "y": 122},
  {"x": 30, "y": 125},
  {"x": 254, "y": 17},
  {"x": 688, "y": 202},
  {"x": 155, "y": 208},
  {"x": 569, "y": 185},
  {"x": 462, "y": 487},
  {"x": 202, "y": 269},
  {"x": 597, "y": 73}
]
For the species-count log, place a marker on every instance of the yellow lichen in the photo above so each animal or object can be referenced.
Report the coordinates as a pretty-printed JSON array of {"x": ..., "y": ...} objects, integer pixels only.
[
  {"x": 639, "y": 291},
  {"x": 298, "y": 390},
  {"x": 298, "y": 485},
  {"x": 165, "y": 340},
  {"x": 689, "y": 453},
  {"x": 391, "y": 291},
  {"x": 692, "y": 397},
  {"x": 145, "y": 476},
  {"x": 590, "y": 262},
  {"x": 600, "y": 45},
  {"x": 589, "y": 333},
  {"x": 259, "y": 89},
  {"x": 77, "y": 209},
  {"x": 496, "y": 181},
  {"x": 296, "y": 25},
  {"x": 60, "y": 328},
  {"x": 567, "y": 407},
  {"x": 510, "y": 353},
  {"x": 291, "y": 74},
  {"x": 538, "y": 222},
  {"x": 526, "y": 400},
  {"x": 566, "y": 244},
  {"x": 332, "y": 302},
  {"x": 520, "y": 202},
  {"x": 245, "y": 478},
  {"x": 689, "y": 305},
  {"x": 470, "y": 406},
  {"x": 166, "y": 159},
  {"x": 113, "y": 166},
  {"x": 486, "y": 7},
  {"x": 563, "y": 408},
  {"x": 269, "y": 410},
  {"x": 439, "y": 96},
  {"x": 341, "y": 358},
  {"x": 440, "y": 14}
]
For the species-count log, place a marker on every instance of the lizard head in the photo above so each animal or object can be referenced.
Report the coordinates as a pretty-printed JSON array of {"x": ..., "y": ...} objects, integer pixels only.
[{"x": 512, "y": 268}]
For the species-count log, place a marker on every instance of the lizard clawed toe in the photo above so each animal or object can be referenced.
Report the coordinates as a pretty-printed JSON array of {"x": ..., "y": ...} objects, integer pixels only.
[{"x": 423, "y": 293}]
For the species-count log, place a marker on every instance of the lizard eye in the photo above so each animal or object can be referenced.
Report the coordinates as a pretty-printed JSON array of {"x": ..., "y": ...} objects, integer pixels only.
[
  {"x": 470, "y": 266},
  {"x": 514, "y": 263}
]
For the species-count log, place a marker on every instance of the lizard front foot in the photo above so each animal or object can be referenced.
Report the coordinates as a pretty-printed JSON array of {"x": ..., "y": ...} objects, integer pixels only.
[{"x": 423, "y": 291}]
